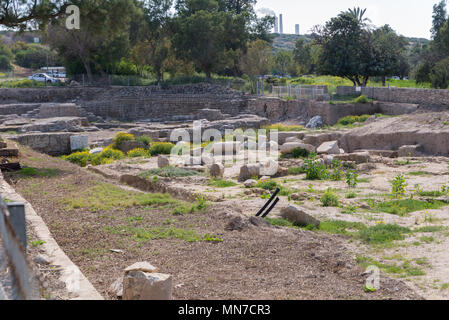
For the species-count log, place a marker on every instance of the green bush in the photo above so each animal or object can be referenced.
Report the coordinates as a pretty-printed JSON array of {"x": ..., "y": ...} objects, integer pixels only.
[
  {"x": 161, "y": 148},
  {"x": 111, "y": 153},
  {"x": 145, "y": 140},
  {"x": 5, "y": 64},
  {"x": 120, "y": 137},
  {"x": 300, "y": 153},
  {"x": 330, "y": 199},
  {"x": 138, "y": 152},
  {"x": 27, "y": 84},
  {"x": 267, "y": 185},
  {"x": 315, "y": 170},
  {"x": 348, "y": 120},
  {"x": 362, "y": 99},
  {"x": 79, "y": 158},
  {"x": 398, "y": 186}
]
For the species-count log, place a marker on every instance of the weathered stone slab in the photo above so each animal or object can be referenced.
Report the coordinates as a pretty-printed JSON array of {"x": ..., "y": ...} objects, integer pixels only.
[
  {"x": 298, "y": 216},
  {"x": 79, "y": 142},
  {"x": 329, "y": 147}
]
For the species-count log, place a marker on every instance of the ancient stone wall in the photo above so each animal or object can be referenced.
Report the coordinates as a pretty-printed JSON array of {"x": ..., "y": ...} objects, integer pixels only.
[
  {"x": 129, "y": 103},
  {"x": 277, "y": 109},
  {"x": 423, "y": 97},
  {"x": 163, "y": 107},
  {"x": 54, "y": 144}
]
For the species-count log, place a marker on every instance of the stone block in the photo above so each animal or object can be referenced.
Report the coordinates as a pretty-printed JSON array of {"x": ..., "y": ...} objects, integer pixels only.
[{"x": 79, "y": 143}]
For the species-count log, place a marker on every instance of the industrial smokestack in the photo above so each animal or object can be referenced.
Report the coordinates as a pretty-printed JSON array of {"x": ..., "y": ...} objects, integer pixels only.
[{"x": 281, "y": 25}]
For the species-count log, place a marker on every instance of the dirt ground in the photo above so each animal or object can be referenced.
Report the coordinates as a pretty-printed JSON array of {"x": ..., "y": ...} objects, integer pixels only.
[
  {"x": 104, "y": 228},
  {"x": 424, "y": 252}
]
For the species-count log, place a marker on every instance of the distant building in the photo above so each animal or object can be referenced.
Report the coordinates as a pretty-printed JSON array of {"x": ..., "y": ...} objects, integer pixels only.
[
  {"x": 297, "y": 29},
  {"x": 276, "y": 25},
  {"x": 281, "y": 25}
]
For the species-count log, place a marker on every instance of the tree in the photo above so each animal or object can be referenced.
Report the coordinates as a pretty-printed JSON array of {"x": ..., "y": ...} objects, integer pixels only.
[
  {"x": 96, "y": 46},
  {"x": 389, "y": 53},
  {"x": 5, "y": 64},
  {"x": 439, "y": 17},
  {"x": 200, "y": 40},
  {"x": 284, "y": 63},
  {"x": 302, "y": 54},
  {"x": 217, "y": 45},
  {"x": 345, "y": 49},
  {"x": 359, "y": 15},
  {"x": 258, "y": 59},
  {"x": 18, "y": 13},
  {"x": 439, "y": 76}
]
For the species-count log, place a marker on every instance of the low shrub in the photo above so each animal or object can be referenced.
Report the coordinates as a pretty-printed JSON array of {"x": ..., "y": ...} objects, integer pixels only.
[
  {"x": 112, "y": 153},
  {"x": 267, "y": 185},
  {"x": 138, "y": 152},
  {"x": 145, "y": 139},
  {"x": 161, "y": 148},
  {"x": 300, "y": 153},
  {"x": 362, "y": 99},
  {"x": 330, "y": 199},
  {"x": 79, "y": 158},
  {"x": 315, "y": 170},
  {"x": 120, "y": 137},
  {"x": 348, "y": 120}
]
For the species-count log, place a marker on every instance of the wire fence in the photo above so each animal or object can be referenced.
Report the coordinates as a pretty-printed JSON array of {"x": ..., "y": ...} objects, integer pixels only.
[
  {"x": 299, "y": 92},
  {"x": 18, "y": 279}
]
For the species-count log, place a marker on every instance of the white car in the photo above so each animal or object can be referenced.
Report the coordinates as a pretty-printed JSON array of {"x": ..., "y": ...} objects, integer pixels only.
[{"x": 43, "y": 77}]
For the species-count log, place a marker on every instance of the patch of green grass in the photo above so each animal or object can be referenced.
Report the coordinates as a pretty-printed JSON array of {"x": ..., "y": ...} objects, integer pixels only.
[
  {"x": 364, "y": 180},
  {"x": 200, "y": 204},
  {"x": 403, "y": 270},
  {"x": 430, "y": 194},
  {"x": 419, "y": 173},
  {"x": 30, "y": 172},
  {"x": 341, "y": 227},
  {"x": 445, "y": 286},
  {"x": 106, "y": 197},
  {"x": 169, "y": 172},
  {"x": 220, "y": 183},
  {"x": 349, "y": 210},
  {"x": 429, "y": 229},
  {"x": 37, "y": 243},
  {"x": 155, "y": 233},
  {"x": 296, "y": 171},
  {"x": 351, "y": 195},
  {"x": 267, "y": 185},
  {"x": 283, "y": 127},
  {"x": 280, "y": 222},
  {"x": 427, "y": 239},
  {"x": 405, "y": 206},
  {"x": 383, "y": 233}
]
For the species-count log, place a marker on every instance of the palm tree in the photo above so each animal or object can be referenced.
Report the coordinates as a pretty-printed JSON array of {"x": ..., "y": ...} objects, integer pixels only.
[{"x": 359, "y": 14}]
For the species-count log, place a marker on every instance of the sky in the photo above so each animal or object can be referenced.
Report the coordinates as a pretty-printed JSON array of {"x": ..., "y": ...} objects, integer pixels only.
[{"x": 411, "y": 18}]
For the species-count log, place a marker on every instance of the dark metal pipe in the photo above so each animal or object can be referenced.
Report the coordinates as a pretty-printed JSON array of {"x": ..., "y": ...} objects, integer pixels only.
[
  {"x": 271, "y": 208},
  {"x": 269, "y": 201}
]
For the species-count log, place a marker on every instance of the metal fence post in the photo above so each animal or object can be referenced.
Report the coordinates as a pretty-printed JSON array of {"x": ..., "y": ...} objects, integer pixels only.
[{"x": 18, "y": 222}]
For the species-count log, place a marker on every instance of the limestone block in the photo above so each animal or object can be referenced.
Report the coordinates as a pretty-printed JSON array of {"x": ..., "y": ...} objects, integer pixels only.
[
  {"x": 330, "y": 147},
  {"x": 79, "y": 143}
]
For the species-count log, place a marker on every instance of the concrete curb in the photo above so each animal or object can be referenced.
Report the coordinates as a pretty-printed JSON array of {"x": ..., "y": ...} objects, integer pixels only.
[{"x": 77, "y": 284}]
